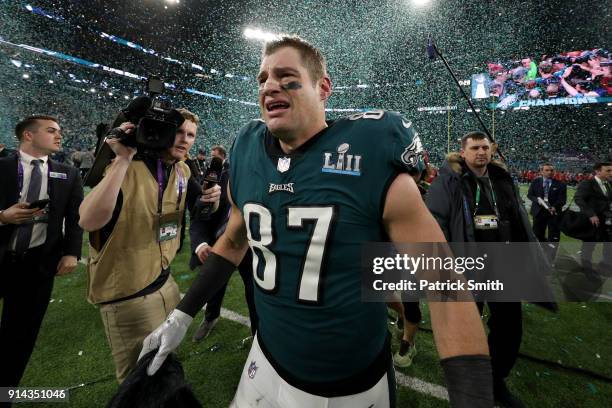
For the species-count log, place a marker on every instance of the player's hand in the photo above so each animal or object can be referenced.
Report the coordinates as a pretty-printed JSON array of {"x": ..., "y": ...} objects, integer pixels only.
[
  {"x": 203, "y": 251},
  {"x": 119, "y": 148},
  {"x": 165, "y": 338},
  {"x": 594, "y": 221},
  {"x": 19, "y": 213},
  {"x": 553, "y": 211},
  {"x": 66, "y": 265}
]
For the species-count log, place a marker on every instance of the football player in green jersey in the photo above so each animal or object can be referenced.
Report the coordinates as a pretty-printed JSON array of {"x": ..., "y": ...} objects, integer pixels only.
[{"x": 306, "y": 194}]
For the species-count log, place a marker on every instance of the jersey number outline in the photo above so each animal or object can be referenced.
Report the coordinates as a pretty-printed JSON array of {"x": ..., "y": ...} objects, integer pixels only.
[
  {"x": 373, "y": 114},
  {"x": 309, "y": 287}
]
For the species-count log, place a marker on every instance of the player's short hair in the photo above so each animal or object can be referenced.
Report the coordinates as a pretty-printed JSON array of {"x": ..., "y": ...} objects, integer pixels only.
[
  {"x": 312, "y": 58},
  {"x": 546, "y": 164},
  {"x": 220, "y": 149},
  {"x": 31, "y": 123},
  {"x": 599, "y": 165},
  {"x": 187, "y": 115},
  {"x": 477, "y": 135}
]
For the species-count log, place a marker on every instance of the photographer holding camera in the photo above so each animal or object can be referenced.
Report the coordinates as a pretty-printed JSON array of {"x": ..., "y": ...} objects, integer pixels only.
[{"x": 135, "y": 217}]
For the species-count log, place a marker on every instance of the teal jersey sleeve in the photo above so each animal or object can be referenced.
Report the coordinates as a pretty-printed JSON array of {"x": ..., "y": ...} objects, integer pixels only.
[
  {"x": 240, "y": 150},
  {"x": 406, "y": 149}
]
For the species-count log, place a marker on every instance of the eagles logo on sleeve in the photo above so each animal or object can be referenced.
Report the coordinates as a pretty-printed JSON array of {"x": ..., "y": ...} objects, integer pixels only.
[
  {"x": 413, "y": 153},
  {"x": 407, "y": 147}
]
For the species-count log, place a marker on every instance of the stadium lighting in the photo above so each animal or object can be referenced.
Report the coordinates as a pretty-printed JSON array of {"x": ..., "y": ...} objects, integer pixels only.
[
  {"x": 421, "y": 3},
  {"x": 25, "y": 76},
  {"x": 92, "y": 90},
  {"x": 50, "y": 81},
  {"x": 257, "y": 34}
]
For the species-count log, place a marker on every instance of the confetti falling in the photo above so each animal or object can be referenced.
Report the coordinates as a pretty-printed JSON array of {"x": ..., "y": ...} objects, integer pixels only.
[{"x": 375, "y": 52}]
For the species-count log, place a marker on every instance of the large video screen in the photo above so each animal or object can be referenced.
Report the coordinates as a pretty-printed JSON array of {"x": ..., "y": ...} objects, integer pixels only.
[{"x": 570, "y": 78}]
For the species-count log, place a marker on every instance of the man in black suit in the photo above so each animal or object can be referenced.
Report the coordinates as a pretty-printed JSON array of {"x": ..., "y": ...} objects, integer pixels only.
[
  {"x": 548, "y": 196},
  {"x": 198, "y": 166},
  {"x": 33, "y": 248},
  {"x": 594, "y": 197},
  {"x": 203, "y": 233}
]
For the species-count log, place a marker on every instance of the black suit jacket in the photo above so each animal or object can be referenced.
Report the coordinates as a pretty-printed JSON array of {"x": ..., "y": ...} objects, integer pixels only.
[
  {"x": 591, "y": 199},
  {"x": 65, "y": 195},
  {"x": 210, "y": 229},
  {"x": 557, "y": 195}
]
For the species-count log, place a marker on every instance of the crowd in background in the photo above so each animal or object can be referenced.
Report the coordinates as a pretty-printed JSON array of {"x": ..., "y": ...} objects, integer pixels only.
[{"x": 584, "y": 73}]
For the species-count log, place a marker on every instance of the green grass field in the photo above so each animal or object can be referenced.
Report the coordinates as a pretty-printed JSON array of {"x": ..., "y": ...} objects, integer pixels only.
[{"x": 72, "y": 352}]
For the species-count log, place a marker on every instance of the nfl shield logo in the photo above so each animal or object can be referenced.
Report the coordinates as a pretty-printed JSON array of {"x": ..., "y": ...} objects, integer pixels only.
[
  {"x": 252, "y": 370},
  {"x": 283, "y": 164}
]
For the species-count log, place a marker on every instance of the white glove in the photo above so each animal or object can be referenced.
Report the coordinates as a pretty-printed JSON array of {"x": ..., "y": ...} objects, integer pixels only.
[{"x": 166, "y": 337}]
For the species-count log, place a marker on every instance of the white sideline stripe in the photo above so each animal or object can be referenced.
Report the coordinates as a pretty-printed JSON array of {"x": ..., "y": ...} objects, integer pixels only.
[
  {"x": 413, "y": 383},
  {"x": 421, "y": 386},
  {"x": 235, "y": 317}
]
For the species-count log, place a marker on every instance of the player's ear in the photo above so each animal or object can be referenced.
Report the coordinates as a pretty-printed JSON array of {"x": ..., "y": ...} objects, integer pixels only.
[{"x": 325, "y": 88}]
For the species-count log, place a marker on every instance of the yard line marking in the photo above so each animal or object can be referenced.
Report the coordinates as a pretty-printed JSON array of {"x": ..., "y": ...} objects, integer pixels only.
[{"x": 422, "y": 386}]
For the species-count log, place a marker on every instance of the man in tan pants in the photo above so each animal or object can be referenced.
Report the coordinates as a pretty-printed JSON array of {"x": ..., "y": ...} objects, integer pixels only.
[{"x": 135, "y": 216}]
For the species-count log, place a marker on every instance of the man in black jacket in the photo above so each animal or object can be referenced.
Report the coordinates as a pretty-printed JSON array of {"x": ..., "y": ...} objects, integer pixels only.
[
  {"x": 469, "y": 189},
  {"x": 198, "y": 166},
  {"x": 548, "y": 196},
  {"x": 594, "y": 197},
  {"x": 33, "y": 247}
]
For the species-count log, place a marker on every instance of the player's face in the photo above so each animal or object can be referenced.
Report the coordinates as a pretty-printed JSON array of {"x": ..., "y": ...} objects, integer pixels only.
[
  {"x": 185, "y": 136},
  {"x": 288, "y": 99},
  {"x": 477, "y": 153},
  {"x": 547, "y": 171},
  {"x": 46, "y": 137}
]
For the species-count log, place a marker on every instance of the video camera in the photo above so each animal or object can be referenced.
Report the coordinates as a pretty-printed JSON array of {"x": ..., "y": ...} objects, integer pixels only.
[
  {"x": 156, "y": 123},
  {"x": 155, "y": 119}
]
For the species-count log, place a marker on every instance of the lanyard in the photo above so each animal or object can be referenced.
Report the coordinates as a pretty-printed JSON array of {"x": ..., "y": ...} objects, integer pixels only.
[
  {"x": 477, "y": 201},
  {"x": 160, "y": 185},
  {"x": 20, "y": 172}
]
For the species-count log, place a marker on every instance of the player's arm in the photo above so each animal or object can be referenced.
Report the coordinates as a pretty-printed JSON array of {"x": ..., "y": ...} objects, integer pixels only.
[
  {"x": 214, "y": 274},
  {"x": 458, "y": 331},
  {"x": 216, "y": 270}
]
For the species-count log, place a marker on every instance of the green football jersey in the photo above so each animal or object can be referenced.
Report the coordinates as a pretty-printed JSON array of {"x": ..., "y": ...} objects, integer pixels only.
[{"x": 307, "y": 216}]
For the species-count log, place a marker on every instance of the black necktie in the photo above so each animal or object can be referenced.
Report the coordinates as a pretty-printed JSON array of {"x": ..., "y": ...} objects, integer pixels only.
[{"x": 24, "y": 232}]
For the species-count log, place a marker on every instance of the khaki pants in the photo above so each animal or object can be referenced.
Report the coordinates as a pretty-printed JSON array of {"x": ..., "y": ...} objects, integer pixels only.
[{"x": 128, "y": 322}]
